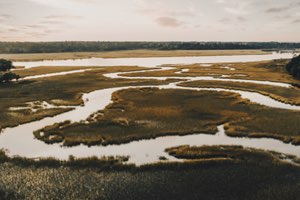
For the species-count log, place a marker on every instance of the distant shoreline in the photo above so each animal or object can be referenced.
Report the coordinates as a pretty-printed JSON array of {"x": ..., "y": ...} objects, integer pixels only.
[{"x": 128, "y": 54}]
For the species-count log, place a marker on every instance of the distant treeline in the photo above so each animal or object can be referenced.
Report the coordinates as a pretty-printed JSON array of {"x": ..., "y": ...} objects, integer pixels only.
[{"x": 52, "y": 47}]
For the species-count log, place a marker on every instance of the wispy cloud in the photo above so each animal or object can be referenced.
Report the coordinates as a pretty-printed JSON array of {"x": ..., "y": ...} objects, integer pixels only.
[
  {"x": 236, "y": 10},
  {"x": 168, "y": 22},
  {"x": 241, "y": 19},
  {"x": 50, "y": 21},
  {"x": 173, "y": 13},
  {"x": 296, "y": 21},
  {"x": 34, "y": 26},
  {"x": 278, "y": 9},
  {"x": 4, "y": 17},
  {"x": 235, "y": 7},
  {"x": 225, "y": 20},
  {"x": 63, "y": 3},
  {"x": 54, "y": 17},
  {"x": 283, "y": 7}
]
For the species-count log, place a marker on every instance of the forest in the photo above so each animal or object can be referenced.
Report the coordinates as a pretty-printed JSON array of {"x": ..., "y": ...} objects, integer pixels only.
[{"x": 83, "y": 46}]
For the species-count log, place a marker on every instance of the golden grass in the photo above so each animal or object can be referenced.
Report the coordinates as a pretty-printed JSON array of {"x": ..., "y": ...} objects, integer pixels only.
[
  {"x": 127, "y": 54},
  {"x": 253, "y": 176},
  {"x": 147, "y": 113},
  {"x": 285, "y": 95},
  {"x": 237, "y": 153},
  {"x": 58, "y": 90},
  {"x": 263, "y": 71}
]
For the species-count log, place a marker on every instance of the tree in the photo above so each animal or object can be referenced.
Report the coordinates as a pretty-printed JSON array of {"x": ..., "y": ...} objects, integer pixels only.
[
  {"x": 6, "y": 65},
  {"x": 5, "y": 75},
  {"x": 293, "y": 67}
]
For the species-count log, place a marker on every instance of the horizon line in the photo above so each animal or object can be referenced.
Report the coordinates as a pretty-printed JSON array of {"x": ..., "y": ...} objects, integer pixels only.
[{"x": 153, "y": 41}]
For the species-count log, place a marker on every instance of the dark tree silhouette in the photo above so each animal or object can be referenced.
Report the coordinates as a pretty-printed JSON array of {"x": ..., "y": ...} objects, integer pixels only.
[
  {"x": 5, "y": 74},
  {"x": 7, "y": 77},
  {"x": 5, "y": 65},
  {"x": 82, "y": 46},
  {"x": 293, "y": 67}
]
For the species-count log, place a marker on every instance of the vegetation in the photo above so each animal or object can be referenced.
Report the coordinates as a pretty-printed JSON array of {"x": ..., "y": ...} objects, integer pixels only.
[
  {"x": 266, "y": 70},
  {"x": 5, "y": 65},
  {"x": 249, "y": 175},
  {"x": 7, "y": 77},
  {"x": 72, "y": 46},
  {"x": 212, "y": 172},
  {"x": 104, "y": 163},
  {"x": 136, "y": 114},
  {"x": 56, "y": 90},
  {"x": 127, "y": 54},
  {"x": 235, "y": 153},
  {"x": 293, "y": 67},
  {"x": 5, "y": 74},
  {"x": 286, "y": 95}
]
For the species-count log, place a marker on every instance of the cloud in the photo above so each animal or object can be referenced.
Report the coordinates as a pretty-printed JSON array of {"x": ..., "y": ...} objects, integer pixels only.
[
  {"x": 225, "y": 20},
  {"x": 157, "y": 8},
  {"x": 34, "y": 26},
  {"x": 50, "y": 21},
  {"x": 238, "y": 7},
  {"x": 67, "y": 5},
  {"x": 187, "y": 13},
  {"x": 241, "y": 19},
  {"x": 12, "y": 30},
  {"x": 4, "y": 17},
  {"x": 284, "y": 16},
  {"x": 173, "y": 13},
  {"x": 232, "y": 20},
  {"x": 236, "y": 10},
  {"x": 63, "y": 3},
  {"x": 278, "y": 9},
  {"x": 59, "y": 19},
  {"x": 54, "y": 17},
  {"x": 5, "y": 3},
  {"x": 283, "y": 7},
  {"x": 296, "y": 21},
  {"x": 168, "y": 22},
  {"x": 220, "y": 1}
]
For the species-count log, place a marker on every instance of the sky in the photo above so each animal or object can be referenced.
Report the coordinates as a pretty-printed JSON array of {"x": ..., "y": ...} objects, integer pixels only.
[{"x": 150, "y": 20}]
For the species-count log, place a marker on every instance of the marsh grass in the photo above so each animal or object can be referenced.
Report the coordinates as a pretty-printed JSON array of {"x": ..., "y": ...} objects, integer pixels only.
[
  {"x": 127, "y": 54},
  {"x": 148, "y": 113},
  {"x": 263, "y": 71},
  {"x": 103, "y": 163},
  {"x": 235, "y": 153},
  {"x": 58, "y": 90},
  {"x": 255, "y": 178},
  {"x": 284, "y": 95}
]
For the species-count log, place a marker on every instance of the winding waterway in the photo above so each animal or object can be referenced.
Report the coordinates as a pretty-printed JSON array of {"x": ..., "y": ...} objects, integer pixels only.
[{"x": 20, "y": 140}]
